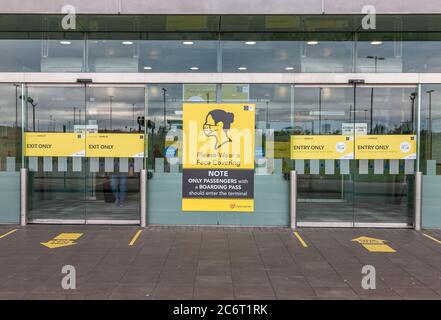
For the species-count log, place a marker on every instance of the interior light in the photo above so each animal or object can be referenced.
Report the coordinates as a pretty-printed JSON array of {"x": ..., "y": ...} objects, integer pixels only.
[
  {"x": 242, "y": 68},
  {"x": 250, "y": 43},
  {"x": 148, "y": 68},
  {"x": 289, "y": 68},
  {"x": 312, "y": 43},
  {"x": 127, "y": 42},
  {"x": 376, "y": 43},
  {"x": 188, "y": 43},
  {"x": 65, "y": 42},
  {"x": 194, "y": 68}
]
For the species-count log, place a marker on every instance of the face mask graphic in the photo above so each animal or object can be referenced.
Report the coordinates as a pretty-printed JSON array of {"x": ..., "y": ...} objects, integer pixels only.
[{"x": 217, "y": 125}]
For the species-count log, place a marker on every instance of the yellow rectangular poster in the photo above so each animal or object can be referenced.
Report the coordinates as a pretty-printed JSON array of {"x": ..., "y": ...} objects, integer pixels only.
[
  {"x": 218, "y": 157},
  {"x": 54, "y": 144},
  {"x": 118, "y": 145},
  {"x": 386, "y": 147},
  {"x": 322, "y": 147}
]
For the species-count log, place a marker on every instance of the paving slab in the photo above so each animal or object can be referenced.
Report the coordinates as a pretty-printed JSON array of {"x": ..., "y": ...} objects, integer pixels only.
[{"x": 170, "y": 262}]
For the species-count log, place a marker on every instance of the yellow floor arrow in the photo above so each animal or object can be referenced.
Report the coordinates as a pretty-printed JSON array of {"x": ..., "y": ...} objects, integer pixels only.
[
  {"x": 62, "y": 240},
  {"x": 373, "y": 244}
]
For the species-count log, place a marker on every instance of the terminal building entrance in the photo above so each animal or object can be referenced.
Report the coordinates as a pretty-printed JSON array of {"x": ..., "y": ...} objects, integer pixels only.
[
  {"x": 81, "y": 186},
  {"x": 105, "y": 188}
]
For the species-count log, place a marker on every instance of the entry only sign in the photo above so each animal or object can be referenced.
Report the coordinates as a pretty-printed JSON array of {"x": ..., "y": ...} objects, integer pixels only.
[
  {"x": 218, "y": 157},
  {"x": 359, "y": 147}
]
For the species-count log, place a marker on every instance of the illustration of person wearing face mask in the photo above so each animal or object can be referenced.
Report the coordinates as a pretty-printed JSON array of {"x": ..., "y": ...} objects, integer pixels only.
[{"x": 217, "y": 124}]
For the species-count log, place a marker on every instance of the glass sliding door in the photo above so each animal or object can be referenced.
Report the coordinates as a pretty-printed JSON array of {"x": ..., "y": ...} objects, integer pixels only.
[
  {"x": 322, "y": 116},
  {"x": 53, "y": 153},
  {"x": 384, "y": 180},
  {"x": 113, "y": 124},
  {"x": 84, "y": 148}
]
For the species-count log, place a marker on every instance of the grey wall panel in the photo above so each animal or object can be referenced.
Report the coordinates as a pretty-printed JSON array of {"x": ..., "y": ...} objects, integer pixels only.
[
  {"x": 55, "y": 6},
  {"x": 9, "y": 197},
  {"x": 382, "y": 6},
  {"x": 431, "y": 202},
  {"x": 221, "y": 7}
]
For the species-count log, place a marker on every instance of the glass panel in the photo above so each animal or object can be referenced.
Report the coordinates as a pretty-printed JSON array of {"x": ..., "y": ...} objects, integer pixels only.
[
  {"x": 10, "y": 152},
  {"x": 165, "y": 151},
  {"x": 272, "y": 163},
  {"x": 430, "y": 156},
  {"x": 272, "y": 166},
  {"x": 379, "y": 195},
  {"x": 398, "y": 52},
  {"x": 167, "y": 52},
  {"x": 283, "y": 52},
  {"x": 112, "y": 181},
  {"x": 326, "y": 195},
  {"x": 41, "y": 52},
  {"x": 57, "y": 193}
]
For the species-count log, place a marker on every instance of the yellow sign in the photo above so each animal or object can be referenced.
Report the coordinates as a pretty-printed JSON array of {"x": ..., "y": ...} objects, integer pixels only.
[
  {"x": 218, "y": 136},
  {"x": 186, "y": 23},
  {"x": 322, "y": 147},
  {"x": 282, "y": 22},
  {"x": 62, "y": 240},
  {"x": 232, "y": 205},
  {"x": 218, "y": 157},
  {"x": 122, "y": 145},
  {"x": 235, "y": 92},
  {"x": 52, "y": 144},
  {"x": 199, "y": 92},
  {"x": 373, "y": 245},
  {"x": 371, "y": 147}
]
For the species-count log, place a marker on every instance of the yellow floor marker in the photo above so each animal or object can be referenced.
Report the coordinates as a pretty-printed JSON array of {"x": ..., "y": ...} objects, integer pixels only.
[
  {"x": 373, "y": 244},
  {"x": 135, "y": 237},
  {"x": 432, "y": 238},
  {"x": 8, "y": 233},
  {"x": 62, "y": 240},
  {"x": 302, "y": 242}
]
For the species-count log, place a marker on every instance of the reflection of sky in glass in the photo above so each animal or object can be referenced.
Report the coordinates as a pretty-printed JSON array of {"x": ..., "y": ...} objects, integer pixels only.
[
  {"x": 63, "y": 106},
  {"x": 264, "y": 55},
  {"x": 7, "y": 105}
]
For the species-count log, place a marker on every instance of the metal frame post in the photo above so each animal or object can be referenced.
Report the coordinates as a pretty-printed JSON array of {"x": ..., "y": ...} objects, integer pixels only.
[
  {"x": 293, "y": 215},
  {"x": 23, "y": 195},
  {"x": 143, "y": 200},
  {"x": 418, "y": 190}
]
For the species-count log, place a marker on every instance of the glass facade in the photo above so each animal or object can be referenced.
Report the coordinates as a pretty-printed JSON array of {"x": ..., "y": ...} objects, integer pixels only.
[
  {"x": 345, "y": 192},
  {"x": 252, "y": 44}
]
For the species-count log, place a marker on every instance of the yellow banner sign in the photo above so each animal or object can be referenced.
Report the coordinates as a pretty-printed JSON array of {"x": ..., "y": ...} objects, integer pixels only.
[
  {"x": 218, "y": 157},
  {"x": 322, "y": 147},
  {"x": 121, "y": 145},
  {"x": 392, "y": 147},
  {"x": 53, "y": 144},
  {"x": 67, "y": 144}
]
